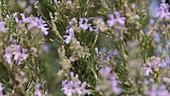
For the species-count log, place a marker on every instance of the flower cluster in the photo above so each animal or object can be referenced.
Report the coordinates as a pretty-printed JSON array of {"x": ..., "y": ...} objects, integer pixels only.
[
  {"x": 116, "y": 18},
  {"x": 154, "y": 65},
  {"x": 15, "y": 52},
  {"x": 163, "y": 12},
  {"x": 74, "y": 86},
  {"x": 158, "y": 91},
  {"x": 108, "y": 81},
  {"x": 114, "y": 48},
  {"x": 84, "y": 24},
  {"x": 33, "y": 22}
]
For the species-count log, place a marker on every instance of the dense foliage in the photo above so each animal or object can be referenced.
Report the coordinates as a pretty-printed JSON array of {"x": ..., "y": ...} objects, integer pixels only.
[{"x": 84, "y": 48}]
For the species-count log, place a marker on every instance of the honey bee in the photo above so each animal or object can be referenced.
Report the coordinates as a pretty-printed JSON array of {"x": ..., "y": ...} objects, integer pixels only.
[{"x": 156, "y": 74}]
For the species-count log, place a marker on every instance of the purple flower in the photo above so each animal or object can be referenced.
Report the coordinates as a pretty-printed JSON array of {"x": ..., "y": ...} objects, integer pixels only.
[
  {"x": 37, "y": 90},
  {"x": 2, "y": 28},
  {"x": 115, "y": 87},
  {"x": 17, "y": 53},
  {"x": 18, "y": 56},
  {"x": 163, "y": 14},
  {"x": 112, "y": 53},
  {"x": 78, "y": 88},
  {"x": 1, "y": 89},
  {"x": 163, "y": 11},
  {"x": 164, "y": 5},
  {"x": 24, "y": 19},
  {"x": 8, "y": 55},
  {"x": 33, "y": 22},
  {"x": 84, "y": 23},
  {"x": 74, "y": 86},
  {"x": 16, "y": 19},
  {"x": 73, "y": 21},
  {"x": 119, "y": 19},
  {"x": 56, "y": 2},
  {"x": 24, "y": 55},
  {"x": 111, "y": 22},
  {"x": 70, "y": 36},
  {"x": 134, "y": 5},
  {"x": 67, "y": 88},
  {"x": 39, "y": 23},
  {"x": 162, "y": 91},
  {"x": 105, "y": 72},
  {"x": 155, "y": 91},
  {"x": 14, "y": 41},
  {"x": 44, "y": 29},
  {"x": 83, "y": 89},
  {"x": 148, "y": 70},
  {"x": 93, "y": 28}
]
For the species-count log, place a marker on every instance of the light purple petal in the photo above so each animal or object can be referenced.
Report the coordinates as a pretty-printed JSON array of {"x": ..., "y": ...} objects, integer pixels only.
[
  {"x": 17, "y": 53},
  {"x": 2, "y": 27},
  {"x": 83, "y": 23},
  {"x": 70, "y": 36},
  {"x": 8, "y": 55},
  {"x": 1, "y": 89},
  {"x": 111, "y": 22}
]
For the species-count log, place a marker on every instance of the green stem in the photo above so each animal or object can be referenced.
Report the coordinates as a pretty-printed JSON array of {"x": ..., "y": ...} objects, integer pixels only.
[
  {"x": 95, "y": 41},
  {"x": 95, "y": 75}
]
